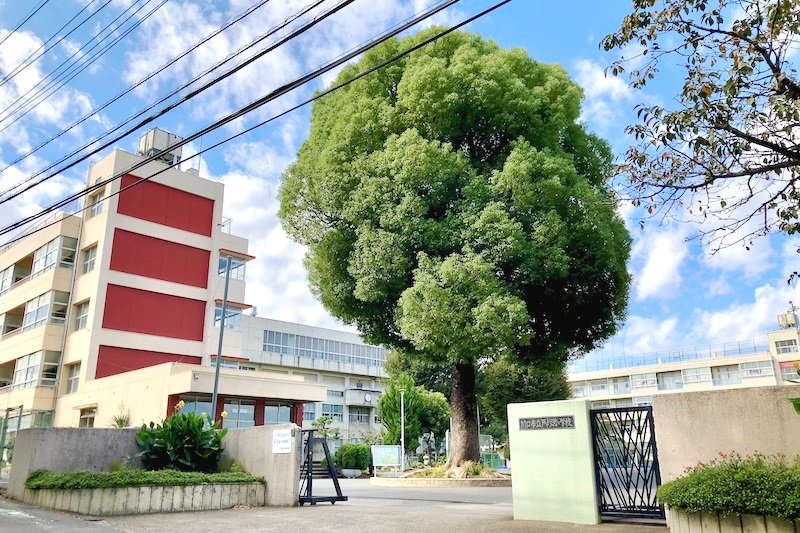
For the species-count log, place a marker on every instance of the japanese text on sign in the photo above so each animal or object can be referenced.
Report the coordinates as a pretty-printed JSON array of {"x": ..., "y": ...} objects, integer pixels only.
[{"x": 547, "y": 422}]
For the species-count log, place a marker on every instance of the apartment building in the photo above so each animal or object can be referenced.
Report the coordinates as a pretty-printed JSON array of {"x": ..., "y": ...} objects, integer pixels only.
[
  {"x": 633, "y": 381},
  {"x": 117, "y": 312}
]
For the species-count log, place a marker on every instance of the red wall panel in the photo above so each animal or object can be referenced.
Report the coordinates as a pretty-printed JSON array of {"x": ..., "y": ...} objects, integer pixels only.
[
  {"x": 156, "y": 258},
  {"x": 153, "y": 313},
  {"x": 113, "y": 360},
  {"x": 166, "y": 205}
]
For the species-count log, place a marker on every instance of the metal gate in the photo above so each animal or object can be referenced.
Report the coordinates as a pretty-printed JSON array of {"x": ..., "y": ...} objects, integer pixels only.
[{"x": 626, "y": 463}]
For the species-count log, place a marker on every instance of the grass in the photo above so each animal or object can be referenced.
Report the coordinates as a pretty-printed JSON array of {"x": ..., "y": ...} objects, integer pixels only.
[{"x": 46, "y": 479}]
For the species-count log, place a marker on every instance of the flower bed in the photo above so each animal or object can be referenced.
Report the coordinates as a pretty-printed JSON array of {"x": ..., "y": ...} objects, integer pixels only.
[
  {"x": 138, "y": 491},
  {"x": 757, "y": 493}
]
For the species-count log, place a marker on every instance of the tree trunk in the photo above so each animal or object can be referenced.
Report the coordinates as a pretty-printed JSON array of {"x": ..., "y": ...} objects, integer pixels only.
[{"x": 464, "y": 426}]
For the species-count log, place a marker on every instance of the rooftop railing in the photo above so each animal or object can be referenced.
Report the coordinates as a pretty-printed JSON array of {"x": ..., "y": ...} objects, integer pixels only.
[{"x": 608, "y": 362}]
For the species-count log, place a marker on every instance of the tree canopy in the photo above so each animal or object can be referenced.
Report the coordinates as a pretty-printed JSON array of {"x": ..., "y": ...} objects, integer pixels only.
[
  {"x": 727, "y": 151},
  {"x": 454, "y": 208}
]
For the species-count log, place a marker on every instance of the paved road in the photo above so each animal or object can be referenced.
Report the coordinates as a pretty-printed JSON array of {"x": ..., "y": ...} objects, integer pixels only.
[{"x": 368, "y": 510}]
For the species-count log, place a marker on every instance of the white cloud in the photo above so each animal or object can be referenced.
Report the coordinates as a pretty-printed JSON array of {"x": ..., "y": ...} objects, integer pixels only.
[
  {"x": 743, "y": 321},
  {"x": 664, "y": 252},
  {"x": 603, "y": 94}
]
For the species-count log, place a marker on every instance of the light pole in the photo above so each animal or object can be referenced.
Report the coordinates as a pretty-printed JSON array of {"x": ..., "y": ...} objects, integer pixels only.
[
  {"x": 402, "y": 430},
  {"x": 221, "y": 333}
]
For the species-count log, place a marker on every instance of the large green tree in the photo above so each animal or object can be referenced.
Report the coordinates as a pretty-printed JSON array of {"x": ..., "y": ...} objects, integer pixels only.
[
  {"x": 727, "y": 147},
  {"x": 454, "y": 208},
  {"x": 389, "y": 409}
]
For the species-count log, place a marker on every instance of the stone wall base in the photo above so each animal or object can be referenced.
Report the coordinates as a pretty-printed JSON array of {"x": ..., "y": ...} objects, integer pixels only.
[
  {"x": 149, "y": 498},
  {"x": 682, "y": 522}
]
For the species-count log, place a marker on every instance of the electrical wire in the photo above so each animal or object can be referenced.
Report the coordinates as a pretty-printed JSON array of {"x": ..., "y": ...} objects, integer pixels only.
[
  {"x": 169, "y": 107},
  {"x": 26, "y": 19},
  {"x": 28, "y": 61},
  {"x": 138, "y": 84},
  {"x": 250, "y": 107},
  {"x": 68, "y": 63}
]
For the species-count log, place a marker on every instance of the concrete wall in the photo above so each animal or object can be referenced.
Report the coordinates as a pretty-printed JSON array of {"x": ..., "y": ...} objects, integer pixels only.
[
  {"x": 554, "y": 477},
  {"x": 64, "y": 449},
  {"x": 696, "y": 427},
  {"x": 253, "y": 448}
]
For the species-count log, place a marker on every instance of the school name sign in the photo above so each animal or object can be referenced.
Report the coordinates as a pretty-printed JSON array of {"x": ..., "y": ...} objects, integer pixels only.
[{"x": 547, "y": 422}]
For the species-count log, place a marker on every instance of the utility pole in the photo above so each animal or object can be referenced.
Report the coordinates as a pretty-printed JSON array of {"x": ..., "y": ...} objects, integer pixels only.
[
  {"x": 221, "y": 333},
  {"x": 403, "y": 430}
]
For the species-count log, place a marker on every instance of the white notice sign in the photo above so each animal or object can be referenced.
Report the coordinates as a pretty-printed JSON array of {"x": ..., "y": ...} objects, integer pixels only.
[{"x": 282, "y": 441}]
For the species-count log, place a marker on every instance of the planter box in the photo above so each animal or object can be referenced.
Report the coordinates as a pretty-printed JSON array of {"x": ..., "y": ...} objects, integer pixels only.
[
  {"x": 683, "y": 522},
  {"x": 149, "y": 498}
]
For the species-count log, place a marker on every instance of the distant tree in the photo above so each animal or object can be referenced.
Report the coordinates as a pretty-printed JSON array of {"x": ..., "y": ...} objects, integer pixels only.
[
  {"x": 728, "y": 149},
  {"x": 324, "y": 429},
  {"x": 433, "y": 376},
  {"x": 454, "y": 208},
  {"x": 389, "y": 411},
  {"x": 434, "y": 413},
  {"x": 505, "y": 382}
]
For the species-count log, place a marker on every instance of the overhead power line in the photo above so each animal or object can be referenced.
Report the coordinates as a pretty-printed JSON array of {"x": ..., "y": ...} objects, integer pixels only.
[
  {"x": 26, "y": 185},
  {"x": 39, "y": 52},
  {"x": 69, "y": 63},
  {"x": 23, "y": 21},
  {"x": 247, "y": 109},
  {"x": 142, "y": 81}
]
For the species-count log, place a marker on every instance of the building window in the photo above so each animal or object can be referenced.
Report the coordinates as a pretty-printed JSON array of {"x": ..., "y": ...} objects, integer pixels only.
[
  {"x": 277, "y": 413},
  {"x": 309, "y": 412},
  {"x": 51, "y": 304},
  {"x": 81, "y": 315},
  {"x": 241, "y": 413},
  {"x": 670, "y": 380},
  {"x": 359, "y": 415},
  {"x": 599, "y": 387},
  {"x": 36, "y": 369},
  {"x": 622, "y": 385},
  {"x": 787, "y": 346},
  {"x": 640, "y": 381},
  {"x": 696, "y": 375},
  {"x": 73, "y": 377},
  {"x": 623, "y": 402},
  {"x": 725, "y": 375},
  {"x": 45, "y": 257},
  {"x": 601, "y": 404},
  {"x": 233, "y": 317},
  {"x": 335, "y": 393},
  {"x": 642, "y": 401},
  {"x": 225, "y": 363},
  {"x": 69, "y": 247},
  {"x": 5, "y": 278},
  {"x": 359, "y": 385},
  {"x": 89, "y": 256},
  {"x": 578, "y": 389},
  {"x": 198, "y": 404},
  {"x": 318, "y": 348},
  {"x": 757, "y": 369},
  {"x": 87, "y": 417},
  {"x": 336, "y": 412},
  {"x": 237, "y": 267},
  {"x": 95, "y": 204}
]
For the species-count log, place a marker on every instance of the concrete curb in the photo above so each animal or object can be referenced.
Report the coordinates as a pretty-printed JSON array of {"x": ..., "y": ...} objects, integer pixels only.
[
  {"x": 149, "y": 498},
  {"x": 438, "y": 482}
]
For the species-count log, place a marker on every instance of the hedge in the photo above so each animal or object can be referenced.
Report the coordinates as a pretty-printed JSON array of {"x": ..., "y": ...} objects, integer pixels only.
[
  {"x": 758, "y": 485},
  {"x": 46, "y": 479}
]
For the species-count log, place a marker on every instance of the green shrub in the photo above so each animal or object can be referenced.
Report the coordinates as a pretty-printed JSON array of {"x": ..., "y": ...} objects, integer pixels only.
[
  {"x": 181, "y": 442},
  {"x": 760, "y": 485},
  {"x": 353, "y": 456},
  {"x": 46, "y": 479}
]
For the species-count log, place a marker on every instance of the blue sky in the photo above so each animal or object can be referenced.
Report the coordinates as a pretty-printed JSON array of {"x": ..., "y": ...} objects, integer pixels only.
[{"x": 682, "y": 295}]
